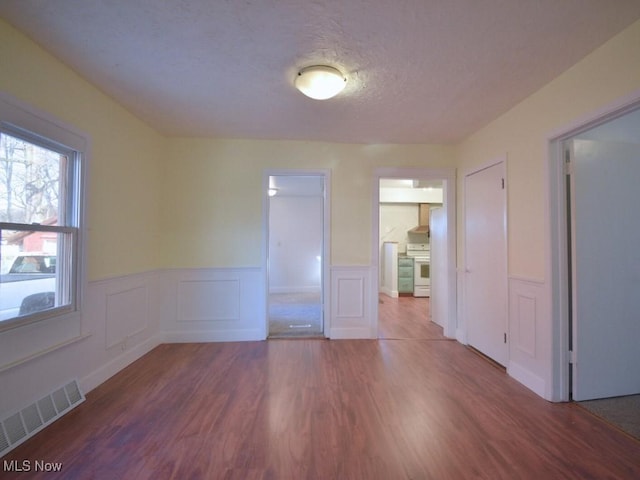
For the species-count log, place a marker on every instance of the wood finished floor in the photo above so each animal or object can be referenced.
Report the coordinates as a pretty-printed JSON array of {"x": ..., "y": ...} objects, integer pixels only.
[
  {"x": 406, "y": 318},
  {"x": 322, "y": 409}
]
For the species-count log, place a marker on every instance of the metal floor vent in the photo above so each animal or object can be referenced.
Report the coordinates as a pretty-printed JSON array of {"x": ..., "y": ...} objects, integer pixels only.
[{"x": 24, "y": 424}]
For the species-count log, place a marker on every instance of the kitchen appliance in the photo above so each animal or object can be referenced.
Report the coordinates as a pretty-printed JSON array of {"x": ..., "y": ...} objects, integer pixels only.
[{"x": 421, "y": 254}]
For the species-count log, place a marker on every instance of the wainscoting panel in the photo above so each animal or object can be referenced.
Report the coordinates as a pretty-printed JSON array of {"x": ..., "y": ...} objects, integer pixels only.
[
  {"x": 127, "y": 313},
  {"x": 208, "y": 300},
  {"x": 350, "y": 303},
  {"x": 214, "y": 305},
  {"x": 529, "y": 353},
  {"x": 124, "y": 315}
]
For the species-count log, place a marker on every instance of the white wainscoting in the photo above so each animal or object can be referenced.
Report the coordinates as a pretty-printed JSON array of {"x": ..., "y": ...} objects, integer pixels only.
[
  {"x": 529, "y": 330},
  {"x": 351, "y": 315},
  {"x": 118, "y": 324},
  {"x": 127, "y": 313},
  {"x": 124, "y": 314},
  {"x": 213, "y": 305}
]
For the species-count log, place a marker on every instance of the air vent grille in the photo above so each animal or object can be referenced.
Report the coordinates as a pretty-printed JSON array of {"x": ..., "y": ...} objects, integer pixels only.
[
  {"x": 14, "y": 427},
  {"x": 4, "y": 441},
  {"x": 31, "y": 418},
  {"x": 20, "y": 426},
  {"x": 47, "y": 409}
]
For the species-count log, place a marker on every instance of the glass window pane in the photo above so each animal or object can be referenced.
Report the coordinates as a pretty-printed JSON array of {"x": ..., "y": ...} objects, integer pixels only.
[
  {"x": 30, "y": 181},
  {"x": 34, "y": 269}
]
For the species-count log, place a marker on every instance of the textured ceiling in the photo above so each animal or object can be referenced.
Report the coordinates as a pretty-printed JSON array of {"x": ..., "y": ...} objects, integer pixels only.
[{"x": 419, "y": 71}]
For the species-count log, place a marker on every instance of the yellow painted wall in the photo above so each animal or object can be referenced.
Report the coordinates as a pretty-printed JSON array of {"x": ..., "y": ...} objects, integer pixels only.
[
  {"x": 125, "y": 164},
  {"x": 213, "y": 196},
  {"x": 609, "y": 73}
]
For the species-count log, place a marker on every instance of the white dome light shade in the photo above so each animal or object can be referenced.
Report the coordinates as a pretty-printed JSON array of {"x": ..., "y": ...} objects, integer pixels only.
[{"x": 320, "y": 82}]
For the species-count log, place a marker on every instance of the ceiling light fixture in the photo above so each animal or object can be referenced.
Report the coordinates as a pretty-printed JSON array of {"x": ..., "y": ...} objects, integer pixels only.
[
  {"x": 320, "y": 82},
  {"x": 272, "y": 191}
]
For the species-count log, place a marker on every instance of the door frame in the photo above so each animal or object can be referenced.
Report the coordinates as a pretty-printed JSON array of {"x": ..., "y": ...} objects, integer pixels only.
[
  {"x": 326, "y": 240},
  {"x": 448, "y": 177},
  {"x": 558, "y": 287},
  {"x": 464, "y": 327}
]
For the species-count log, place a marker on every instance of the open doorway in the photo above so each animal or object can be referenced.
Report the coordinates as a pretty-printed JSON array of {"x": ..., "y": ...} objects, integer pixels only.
[
  {"x": 605, "y": 234},
  {"x": 595, "y": 233},
  {"x": 415, "y": 294},
  {"x": 296, "y": 246}
]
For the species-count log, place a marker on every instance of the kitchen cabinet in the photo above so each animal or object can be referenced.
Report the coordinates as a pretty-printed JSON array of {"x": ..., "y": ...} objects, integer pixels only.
[{"x": 405, "y": 275}]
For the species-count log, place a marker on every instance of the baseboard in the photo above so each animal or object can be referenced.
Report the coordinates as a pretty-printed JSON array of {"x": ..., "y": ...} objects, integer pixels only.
[
  {"x": 247, "y": 335},
  {"x": 109, "y": 369},
  {"x": 355, "y": 333},
  {"x": 528, "y": 379},
  {"x": 389, "y": 292}
]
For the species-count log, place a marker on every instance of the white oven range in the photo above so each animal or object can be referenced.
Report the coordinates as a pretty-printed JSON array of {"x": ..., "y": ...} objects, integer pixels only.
[{"x": 421, "y": 254}]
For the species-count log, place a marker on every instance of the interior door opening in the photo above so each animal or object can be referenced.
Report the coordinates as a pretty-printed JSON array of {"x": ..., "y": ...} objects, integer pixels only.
[
  {"x": 295, "y": 255},
  {"x": 602, "y": 259},
  {"x": 410, "y": 256}
]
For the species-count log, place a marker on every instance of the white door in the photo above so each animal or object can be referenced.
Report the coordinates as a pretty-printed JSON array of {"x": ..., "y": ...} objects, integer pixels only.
[
  {"x": 485, "y": 301},
  {"x": 606, "y": 268},
  {"x": 439, "y": 284}
]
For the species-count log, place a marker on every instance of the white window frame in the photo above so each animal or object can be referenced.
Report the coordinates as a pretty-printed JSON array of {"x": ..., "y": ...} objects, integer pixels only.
[{"x": 20, "y": 120}]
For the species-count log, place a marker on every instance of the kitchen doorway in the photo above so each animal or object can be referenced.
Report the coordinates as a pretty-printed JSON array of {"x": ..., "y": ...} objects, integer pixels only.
[
  {"x": 296, "y": 253},
  {"x": 403, "y": 200}
]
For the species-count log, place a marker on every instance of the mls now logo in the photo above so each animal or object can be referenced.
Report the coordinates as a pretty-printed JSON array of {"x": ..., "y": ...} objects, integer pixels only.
[{"x": 29, "y": 466}]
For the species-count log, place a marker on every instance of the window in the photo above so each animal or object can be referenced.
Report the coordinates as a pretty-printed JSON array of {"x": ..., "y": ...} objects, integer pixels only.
[{"x": 39, "y": 226}]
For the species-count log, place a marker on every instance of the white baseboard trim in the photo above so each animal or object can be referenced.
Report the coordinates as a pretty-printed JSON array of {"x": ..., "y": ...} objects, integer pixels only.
[
  {"x": 206, "y": 336},
  {"x": 389, "y": 292},
  {"x": 351, "y": 333},
  {"x": 112, "y": 367},
  {"x": 528, "y": 379}
]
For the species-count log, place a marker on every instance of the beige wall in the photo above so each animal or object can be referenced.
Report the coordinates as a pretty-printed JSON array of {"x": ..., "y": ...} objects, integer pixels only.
[
  {"x": 606, "y": 75},
  {"x": 124, "y": 168},
  {"x": 213, "y": 196}
]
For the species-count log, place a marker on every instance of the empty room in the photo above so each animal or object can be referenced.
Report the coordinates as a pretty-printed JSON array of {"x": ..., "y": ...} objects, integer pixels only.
[{"x": 319, "y": 240}]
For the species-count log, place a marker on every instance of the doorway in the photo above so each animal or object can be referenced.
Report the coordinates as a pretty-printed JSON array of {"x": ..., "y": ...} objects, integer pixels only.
[
  {"x": 603, "y": 232},
  {"x": 401, "y": 208},
  {"x": 296, "y": 217},
  {"x": 612, "y": 125}
]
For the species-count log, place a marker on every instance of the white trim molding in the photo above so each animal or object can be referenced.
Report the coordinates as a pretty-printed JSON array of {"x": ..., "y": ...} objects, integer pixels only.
[
  {"x": 350, "y": 303},
  {"x": 557, "y": 254},
  {"x": 448, "y": 177},
  {"x": 213, "y": 305},
  {"x": 529, "y": 353}
]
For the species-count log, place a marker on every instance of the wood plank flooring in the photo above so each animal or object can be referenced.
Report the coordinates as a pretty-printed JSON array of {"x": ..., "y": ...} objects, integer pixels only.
[
  {"x": 325, "y": 409},
  {"x": 406, "y": 318}
]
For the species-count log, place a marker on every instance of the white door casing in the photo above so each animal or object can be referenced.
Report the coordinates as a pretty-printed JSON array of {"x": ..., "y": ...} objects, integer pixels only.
[
  {"x": 325, "y": 175},
  {"x": 448, "y": 177},
  {"x": 439, "y": 286},
  {"x": 485, "y": 302}
]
